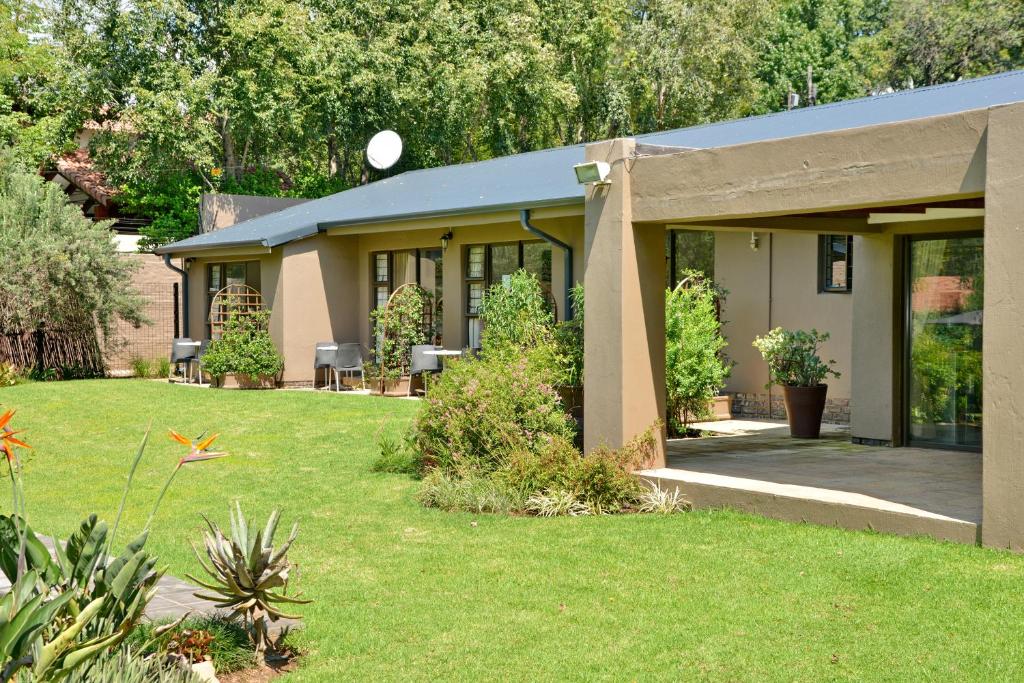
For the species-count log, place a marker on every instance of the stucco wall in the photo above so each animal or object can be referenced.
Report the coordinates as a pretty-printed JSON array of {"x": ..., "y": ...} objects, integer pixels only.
[
  {"x": 315, "y": 300},
  {"x": 787, "y": 298}
]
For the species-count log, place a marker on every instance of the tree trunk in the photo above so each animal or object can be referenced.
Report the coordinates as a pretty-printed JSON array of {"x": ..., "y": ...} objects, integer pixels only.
[{"x": 230, "y": 162}]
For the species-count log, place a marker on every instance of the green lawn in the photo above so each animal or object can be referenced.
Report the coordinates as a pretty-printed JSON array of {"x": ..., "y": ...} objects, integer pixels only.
[{"x": 406, "y": 593}]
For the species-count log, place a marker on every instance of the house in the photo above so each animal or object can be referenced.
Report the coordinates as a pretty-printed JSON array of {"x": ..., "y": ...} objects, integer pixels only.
[{"x": 874, "y": 219}]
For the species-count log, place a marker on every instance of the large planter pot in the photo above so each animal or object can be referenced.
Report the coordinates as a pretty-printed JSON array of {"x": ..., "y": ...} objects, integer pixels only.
[
  {"x": 231, "y": 381},
  {"x": 390, "y": 387},
  {"x": 721, "y": 408},
  {"x": 804, "y": 408}
]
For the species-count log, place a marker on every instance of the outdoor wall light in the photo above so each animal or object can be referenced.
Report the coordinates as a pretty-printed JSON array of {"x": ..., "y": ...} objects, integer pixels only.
[
  {"x": 188, "y": 263},
  {"x": 445, "y": 238},
  {"x": 755, "y": 241},
  {"x": 592, "y": 172}
]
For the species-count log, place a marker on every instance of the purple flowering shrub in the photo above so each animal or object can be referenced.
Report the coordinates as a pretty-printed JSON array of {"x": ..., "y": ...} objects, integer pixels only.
[{"x": 481, "y": 410}]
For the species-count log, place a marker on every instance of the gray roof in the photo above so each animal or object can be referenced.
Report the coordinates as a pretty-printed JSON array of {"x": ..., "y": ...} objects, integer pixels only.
[{"x": 546, "y": 178}]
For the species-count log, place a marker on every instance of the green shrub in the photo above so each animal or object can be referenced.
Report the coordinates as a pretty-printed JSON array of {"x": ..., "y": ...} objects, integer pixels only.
[
  {"x": 245, "y": 348},
  {"x": 695, "y": 367},
  {"x": 141, "y": 367},
  {"x": 793, "y": 359},
  {"x": 481, "y": 410},
  {"x": 163, "y": 367},
  {"x": 516, "y": 316},
  {"x": 568, "y": 338},
  {"x": 396, "y": 455},
  {"x": 230, "y": 649},
  {"x": 9, "y": 375}
]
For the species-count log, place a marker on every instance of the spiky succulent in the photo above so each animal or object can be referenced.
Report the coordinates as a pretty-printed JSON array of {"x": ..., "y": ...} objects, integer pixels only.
[{"x": 249, "y": 577}]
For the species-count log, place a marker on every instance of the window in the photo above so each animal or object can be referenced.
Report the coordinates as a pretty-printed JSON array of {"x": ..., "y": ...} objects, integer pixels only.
[
  {"x": 689, "y": 250},
  {"x": 392, "y": 269},
  {"x": 490, "y": 264},
  {"x": 221, "y": 275},
  {"x": 835, "y": 263}
]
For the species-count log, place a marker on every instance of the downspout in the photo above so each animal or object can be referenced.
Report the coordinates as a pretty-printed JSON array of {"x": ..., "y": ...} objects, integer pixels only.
[
  {"x": 524, "y": 220},
  {"x": 184, "y": 293},
  {"x": 771, "y": 297}
]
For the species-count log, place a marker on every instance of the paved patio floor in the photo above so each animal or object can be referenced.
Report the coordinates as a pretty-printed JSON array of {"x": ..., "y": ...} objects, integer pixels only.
[{"x": 757, "y": 466}]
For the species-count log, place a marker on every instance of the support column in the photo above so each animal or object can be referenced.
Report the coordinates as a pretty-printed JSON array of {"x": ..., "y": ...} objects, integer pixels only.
[
  {"x": 1003, "y": 403},
  {"x": 624, "y": 325}
]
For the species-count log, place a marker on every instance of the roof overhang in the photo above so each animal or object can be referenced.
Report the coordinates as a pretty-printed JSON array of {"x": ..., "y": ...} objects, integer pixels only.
[{"x": 454, "y": 219}]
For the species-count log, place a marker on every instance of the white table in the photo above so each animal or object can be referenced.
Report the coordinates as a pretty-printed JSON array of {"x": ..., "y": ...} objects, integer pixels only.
[{"x": 443, "y": 353}]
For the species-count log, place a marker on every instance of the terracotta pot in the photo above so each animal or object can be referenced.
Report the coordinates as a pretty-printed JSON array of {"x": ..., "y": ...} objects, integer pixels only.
[
  {"x": 804, "y": 408},
  {"x": 392, "y": 387},
  {"x": 231, "y": 381}
]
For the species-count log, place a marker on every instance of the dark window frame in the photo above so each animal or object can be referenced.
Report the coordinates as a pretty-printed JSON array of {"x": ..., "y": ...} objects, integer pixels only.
[
  {"x": 251, "y": 266},
  {"x": 824, "y": 244}
]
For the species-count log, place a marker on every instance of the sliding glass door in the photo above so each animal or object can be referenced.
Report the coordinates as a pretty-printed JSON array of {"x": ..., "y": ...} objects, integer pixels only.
[{"x": 945, "y": 284}]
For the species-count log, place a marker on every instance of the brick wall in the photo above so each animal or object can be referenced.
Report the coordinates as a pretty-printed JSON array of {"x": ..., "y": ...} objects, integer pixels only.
[
  {"x": 155, "y": 282},
  {"x": 837, "y": 410}
]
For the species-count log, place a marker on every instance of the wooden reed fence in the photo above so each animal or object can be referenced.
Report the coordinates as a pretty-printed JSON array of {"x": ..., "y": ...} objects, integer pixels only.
[{"x": 70, "y": 351}]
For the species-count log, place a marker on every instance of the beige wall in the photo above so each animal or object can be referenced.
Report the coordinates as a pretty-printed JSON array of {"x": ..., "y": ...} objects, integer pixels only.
[
  {"x": 317, "y": 286},
  {"x": 787, "y": 298}
]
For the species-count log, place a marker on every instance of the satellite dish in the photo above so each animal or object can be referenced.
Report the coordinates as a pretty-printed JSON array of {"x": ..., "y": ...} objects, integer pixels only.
[{"x": 384, "y": 149}]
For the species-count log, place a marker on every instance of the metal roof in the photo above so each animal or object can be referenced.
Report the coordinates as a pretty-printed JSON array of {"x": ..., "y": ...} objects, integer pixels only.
[{"x": 546, "y": 178}]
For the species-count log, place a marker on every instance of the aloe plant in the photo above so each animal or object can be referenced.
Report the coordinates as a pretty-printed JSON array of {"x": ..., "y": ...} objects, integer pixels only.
[{"x": 249, "y": 577}]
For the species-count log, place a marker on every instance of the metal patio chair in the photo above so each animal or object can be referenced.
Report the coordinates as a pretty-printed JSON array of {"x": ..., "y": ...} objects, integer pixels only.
[
  {"x": 183, "y": 350},
  {"x": 349, "y": 360},
  {"x": 323, "y": 359},
  {"x": 423, "y": 363}
]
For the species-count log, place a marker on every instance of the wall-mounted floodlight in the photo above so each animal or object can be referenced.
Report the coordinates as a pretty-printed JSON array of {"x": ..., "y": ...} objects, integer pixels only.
[{"x": 592, "y": 172}]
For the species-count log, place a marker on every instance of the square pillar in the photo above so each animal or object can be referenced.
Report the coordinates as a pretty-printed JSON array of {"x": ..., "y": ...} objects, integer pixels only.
[
  {"x": 624, "y": 325},
  {"x": 1002, "y": 360}
]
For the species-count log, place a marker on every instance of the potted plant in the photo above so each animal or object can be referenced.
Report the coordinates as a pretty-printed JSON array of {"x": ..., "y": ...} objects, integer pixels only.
[
  {"x": 794, "y": 364},
  {"x": 398, "y": 326},
  {"x": 245, "y": 355}
]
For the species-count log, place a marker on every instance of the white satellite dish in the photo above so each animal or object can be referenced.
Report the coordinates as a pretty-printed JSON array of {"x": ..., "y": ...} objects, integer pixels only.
[{"x": 384, "y": 149}]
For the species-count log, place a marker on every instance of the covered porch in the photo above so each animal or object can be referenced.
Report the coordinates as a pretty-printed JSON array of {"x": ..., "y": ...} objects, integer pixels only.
[
  {"x": 756, "y": 467},
  {"x": 888, "y": 186}
]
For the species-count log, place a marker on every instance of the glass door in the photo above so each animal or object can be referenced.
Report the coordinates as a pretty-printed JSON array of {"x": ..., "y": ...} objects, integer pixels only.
[{"x": 944, "y": 330}]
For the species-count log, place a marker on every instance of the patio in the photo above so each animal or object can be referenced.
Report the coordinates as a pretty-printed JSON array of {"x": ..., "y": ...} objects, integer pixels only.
[{"x": 755, "y": 466}]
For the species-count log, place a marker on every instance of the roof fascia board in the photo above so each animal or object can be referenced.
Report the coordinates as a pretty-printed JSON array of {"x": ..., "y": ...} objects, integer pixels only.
[
  {"x": 928, "y": 159},
  {"x": 218, "y": 251},
  {"x": 471, "y": 216},
  {"x": 459, "y": 220}
]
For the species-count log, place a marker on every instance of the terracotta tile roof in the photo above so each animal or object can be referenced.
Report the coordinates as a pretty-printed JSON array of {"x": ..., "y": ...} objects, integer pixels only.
[{"x": 78, "y": 168}]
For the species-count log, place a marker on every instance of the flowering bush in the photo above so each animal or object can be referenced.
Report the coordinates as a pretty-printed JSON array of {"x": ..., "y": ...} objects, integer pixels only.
[{"x": 481, "y": 410}]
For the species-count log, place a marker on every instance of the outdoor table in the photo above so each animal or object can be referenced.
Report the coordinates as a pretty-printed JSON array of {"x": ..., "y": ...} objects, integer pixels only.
[{"x": 443, "y": 353}]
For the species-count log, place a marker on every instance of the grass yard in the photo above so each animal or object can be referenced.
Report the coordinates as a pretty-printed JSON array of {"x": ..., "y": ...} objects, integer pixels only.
[{"x": 407, "y": 593}]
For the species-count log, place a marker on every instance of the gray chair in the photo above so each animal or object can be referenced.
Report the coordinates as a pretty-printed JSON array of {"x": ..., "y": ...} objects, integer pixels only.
[
  {"x": 183, "y": 350},
  {"x": 349, "y": 360},
  {"x": 204, "y": 345},
  {"x": 423, "y": 363},
  {"x": 323, "y": 359}
]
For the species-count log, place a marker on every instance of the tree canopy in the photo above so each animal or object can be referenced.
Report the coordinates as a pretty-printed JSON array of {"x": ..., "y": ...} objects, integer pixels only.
[{"x": 280, "y": 96}]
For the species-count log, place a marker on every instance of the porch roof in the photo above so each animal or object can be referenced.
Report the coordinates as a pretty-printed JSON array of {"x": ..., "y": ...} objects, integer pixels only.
[{"x": 545, "y": 178}]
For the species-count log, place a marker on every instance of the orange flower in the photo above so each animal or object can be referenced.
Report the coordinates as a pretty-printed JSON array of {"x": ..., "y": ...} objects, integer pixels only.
[
  {"x": 197, "y": 451},
  {"x": 7, "y": 440}
]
